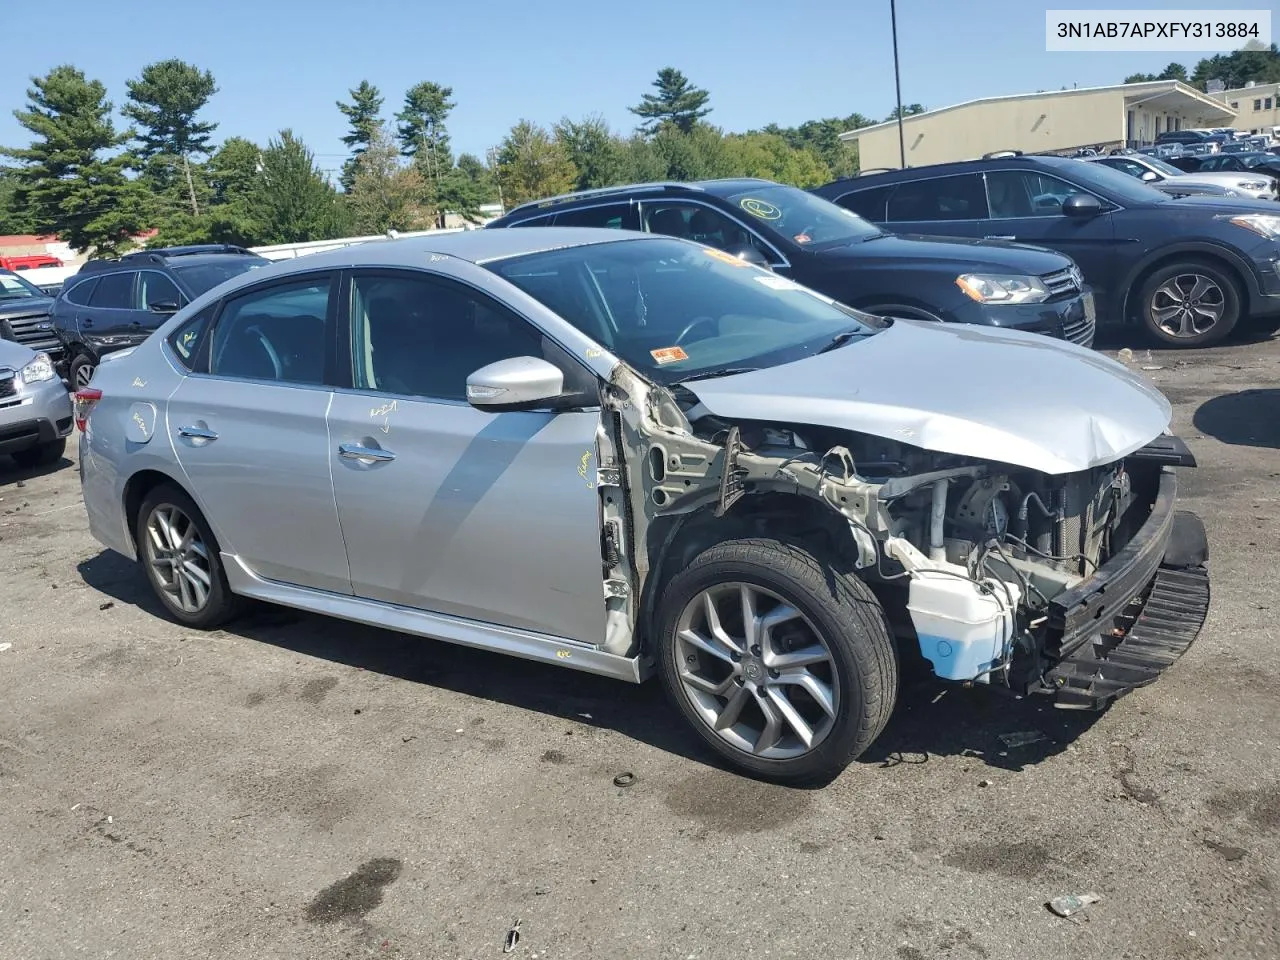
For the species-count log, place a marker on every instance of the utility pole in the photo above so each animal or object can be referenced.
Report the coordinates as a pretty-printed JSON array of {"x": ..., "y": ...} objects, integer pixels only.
[
  {"x": 186, "y": 166},
  {"x": 897, "y": 82}
]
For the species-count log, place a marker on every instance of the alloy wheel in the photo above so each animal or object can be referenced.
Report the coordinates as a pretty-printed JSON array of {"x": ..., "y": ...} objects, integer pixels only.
[
  {"x": 84, "y": 373},
  {"x": 756, "y": 671},
  {"x": 1188, "y": 305},
  {"x": 179, "y": 558}
]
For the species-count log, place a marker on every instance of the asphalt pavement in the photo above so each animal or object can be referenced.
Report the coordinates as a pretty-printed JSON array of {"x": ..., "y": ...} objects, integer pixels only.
[{"x": 295, "y": 787}]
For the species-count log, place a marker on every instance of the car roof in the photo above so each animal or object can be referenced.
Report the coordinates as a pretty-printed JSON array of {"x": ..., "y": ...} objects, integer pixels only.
[
  {"x": 713, "y": 187},
  {"x": 474, "y": 246},
  {"x": 939, "y": 169}
]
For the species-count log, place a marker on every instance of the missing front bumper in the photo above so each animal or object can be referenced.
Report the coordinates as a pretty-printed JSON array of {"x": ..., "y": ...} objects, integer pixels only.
[{"x": 1151, "y": 631}]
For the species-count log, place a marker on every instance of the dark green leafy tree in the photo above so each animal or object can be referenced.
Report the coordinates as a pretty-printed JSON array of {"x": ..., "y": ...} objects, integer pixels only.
[
  {"x": 677, "y": 103},
  {"x": 592, "y": 149},
  {"x": 1174, "y": 71},
  {"x": 1254, "y": 62},
  {"x": 471, "y": 167},
  {"x": 531, "y": 165},
  {"x": 385, "y": 195},
  {"x": 424, "y": 137},
  {"x": 364, "y": 114},
  {"x": 699, "y": 154},
  {"x": 908, "y": 110},
  {"x": 69, "y": 179},
  {"x": 291, "y": 198},
  {"x": 639, "y": 161},
  {"x": 233, "y": 174},
  {"x": 164, "y": 101},
  {"x": 823, "y": 138}
]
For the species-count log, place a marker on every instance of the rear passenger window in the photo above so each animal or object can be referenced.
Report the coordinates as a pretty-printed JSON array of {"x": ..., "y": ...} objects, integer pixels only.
[
  {"x": 79, "y": 293},
  {"x": 114, "y": 291},
  {"x": 185, "y": 341},
  {"x": 869, "y": 204},
  {"x": 278, "y": 334},
  {"x": 615, "y": 216},
  {"x": 942, "y": 198}
]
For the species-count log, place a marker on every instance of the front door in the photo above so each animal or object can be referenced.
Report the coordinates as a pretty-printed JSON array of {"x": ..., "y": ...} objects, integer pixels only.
[
  {"x": 489, "y": 516},
  {"x": 250, "y": 434},
  {"x": 1026, "y": 206}
]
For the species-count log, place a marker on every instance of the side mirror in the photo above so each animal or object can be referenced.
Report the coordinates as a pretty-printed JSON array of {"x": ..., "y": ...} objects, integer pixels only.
[
  {"x": 520, "y": 383},
  {"x": 1150, "y": 176},
  {"x": 752, "y": 256},
  {"x": 1081, "y": 205},
  {"x": 163, "y": 306}
]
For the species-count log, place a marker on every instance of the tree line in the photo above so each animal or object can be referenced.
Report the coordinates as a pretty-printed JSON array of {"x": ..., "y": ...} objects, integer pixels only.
[
  {"x": 1234, "y": 69},
  {"x": 98, "y": 185}
]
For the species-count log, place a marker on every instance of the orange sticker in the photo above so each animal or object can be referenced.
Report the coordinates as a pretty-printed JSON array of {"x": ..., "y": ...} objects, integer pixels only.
[
  {"x": 728, "y": 258},
  {"x": 802, "y": 238},
  {"x": 669, "y": 354}
]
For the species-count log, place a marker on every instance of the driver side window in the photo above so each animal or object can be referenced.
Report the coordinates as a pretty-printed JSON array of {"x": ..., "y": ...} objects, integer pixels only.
[
  {"x": 693, "y": 221},
  {"x": 280, "y": 333}
]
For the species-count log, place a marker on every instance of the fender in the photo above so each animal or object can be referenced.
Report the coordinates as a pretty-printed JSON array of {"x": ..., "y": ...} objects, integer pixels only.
[{"x": 1202, "y": 247}]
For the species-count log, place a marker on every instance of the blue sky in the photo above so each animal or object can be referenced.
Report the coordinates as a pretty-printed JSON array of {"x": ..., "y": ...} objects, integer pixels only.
[{"x": 283, "y": 63}]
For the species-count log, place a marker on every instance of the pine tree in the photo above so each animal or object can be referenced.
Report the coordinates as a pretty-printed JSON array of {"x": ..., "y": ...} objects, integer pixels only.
[
  {"x": 164, "y": 101},
  {"x": 677, "y": 102},
  {"x": 364, "y": 114}
]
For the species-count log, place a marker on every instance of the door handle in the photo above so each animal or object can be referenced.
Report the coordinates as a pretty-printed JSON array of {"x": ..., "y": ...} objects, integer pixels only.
[
  {"x": 999, "y": 236},
  {"x": 197, "y": 433},
  {"x": 356, "y": 451},
  {"x": 87, "y": 322}
]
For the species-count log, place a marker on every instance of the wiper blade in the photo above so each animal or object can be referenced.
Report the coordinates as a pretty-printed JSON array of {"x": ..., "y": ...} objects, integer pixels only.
[
  {"x": 840, "y": 339},
  {"x": 721, "y": 372}
]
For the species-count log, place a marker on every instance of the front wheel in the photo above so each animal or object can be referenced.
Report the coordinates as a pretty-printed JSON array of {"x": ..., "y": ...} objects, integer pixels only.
[
  {"x": 783, "y": 665},
  {"x": 180, "y": 556},
  {"x": 1189, "y": 304},
  {"x": 80, "y": 371}
]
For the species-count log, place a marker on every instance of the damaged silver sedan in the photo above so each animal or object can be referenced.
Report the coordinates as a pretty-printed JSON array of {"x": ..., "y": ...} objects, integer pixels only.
[{"x": 634, "y": 455}]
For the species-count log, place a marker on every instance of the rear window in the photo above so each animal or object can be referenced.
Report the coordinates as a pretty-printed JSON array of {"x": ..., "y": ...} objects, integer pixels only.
[
  {"x": 203, "y": 277},
  {"x": 114, "y": 291}
]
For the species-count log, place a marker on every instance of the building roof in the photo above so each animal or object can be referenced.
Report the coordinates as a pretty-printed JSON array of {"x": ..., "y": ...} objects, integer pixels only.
[{"x": 1152, "y": 91}]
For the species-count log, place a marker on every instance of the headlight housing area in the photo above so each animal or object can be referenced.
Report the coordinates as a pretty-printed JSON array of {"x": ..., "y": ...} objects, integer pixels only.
[
  {"x": 1264, "y": 224},
  {"x": 1253, "y": 184},
  {"x": 1001, "y": 288},
  {"x": 38, "y": 370}
]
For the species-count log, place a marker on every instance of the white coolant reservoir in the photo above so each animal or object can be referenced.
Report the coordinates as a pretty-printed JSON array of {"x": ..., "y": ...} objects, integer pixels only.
[{"x": 965, "y": 628}]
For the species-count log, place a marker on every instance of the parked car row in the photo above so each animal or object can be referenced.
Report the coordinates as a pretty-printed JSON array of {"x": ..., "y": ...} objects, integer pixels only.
[{"x": 1188, "y": 270}]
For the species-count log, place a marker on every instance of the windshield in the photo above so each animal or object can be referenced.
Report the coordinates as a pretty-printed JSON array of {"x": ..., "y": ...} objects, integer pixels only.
[
  {"x": 800, "y": 217},
  {"x": 1168, "y": 169},
  {"x": 1120, "y": 186},
  {"x": 676, "y": 310},
  {"x": 13, "y": 287},
  {"x": 202, "y": 277}
]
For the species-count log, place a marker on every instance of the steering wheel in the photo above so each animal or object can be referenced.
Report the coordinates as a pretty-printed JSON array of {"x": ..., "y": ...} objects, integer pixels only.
[
  {"x": 693, "y": 325},
  {"x": 276, "y": 366}
]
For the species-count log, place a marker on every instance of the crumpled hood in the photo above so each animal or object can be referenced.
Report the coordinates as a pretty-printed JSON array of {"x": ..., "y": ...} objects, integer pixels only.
[
  {"x": 999, "y": 395},
  {"x": 15, "y": 355}
]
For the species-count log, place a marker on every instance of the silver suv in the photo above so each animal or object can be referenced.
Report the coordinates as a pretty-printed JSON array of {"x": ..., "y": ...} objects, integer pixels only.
[
  {"x": 35, "y": 410},
  {"x": 630, "y": 454}
]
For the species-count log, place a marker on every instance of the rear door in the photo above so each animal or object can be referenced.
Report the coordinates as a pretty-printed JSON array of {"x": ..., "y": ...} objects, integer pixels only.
[
  {"x": 1026, "y": 205},
  {"x": 110, "y": 320},
  {"x": 248, "y": 427},
  {"x": 954, "y": 206}
]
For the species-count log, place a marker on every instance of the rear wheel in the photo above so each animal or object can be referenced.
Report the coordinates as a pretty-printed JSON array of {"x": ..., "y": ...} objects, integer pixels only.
[
  {"x": 80, "y": 371},
  {"x": 784, "y": 666},
  {"x": 44, "y": 455},
  {"x": 180, "y": 556},
  {"x": 1190, "y": 304}
]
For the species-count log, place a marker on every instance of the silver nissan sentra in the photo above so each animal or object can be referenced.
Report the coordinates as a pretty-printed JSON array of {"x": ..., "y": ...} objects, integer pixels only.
[{"x": 630, "y": 454}]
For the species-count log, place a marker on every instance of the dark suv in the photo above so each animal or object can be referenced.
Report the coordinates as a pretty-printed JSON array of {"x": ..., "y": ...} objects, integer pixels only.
[
  {"x": 828, "y": 249},
  {"x": 110, "y": 305},
  {"x": 1188, "y": 269}
]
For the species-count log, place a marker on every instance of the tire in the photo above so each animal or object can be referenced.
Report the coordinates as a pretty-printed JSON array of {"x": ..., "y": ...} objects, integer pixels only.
[
  {"x": 1191, "y": 303},
  {"x": 45, "y": 455},
  {"x": 859, "y": 676},
  {"x": 80, "y": 371},
  {"x": 168, "y": 508}
]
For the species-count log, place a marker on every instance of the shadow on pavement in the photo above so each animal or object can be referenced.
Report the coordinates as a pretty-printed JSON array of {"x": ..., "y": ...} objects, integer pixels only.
[
  {"x": 11, "y": 472},
  {"x": 1249, "y": 418},
  {"x": 960, "y": 722}
]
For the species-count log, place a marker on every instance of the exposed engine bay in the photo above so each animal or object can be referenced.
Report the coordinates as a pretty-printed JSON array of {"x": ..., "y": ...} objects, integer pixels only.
[{"x": 965, "y": 555}]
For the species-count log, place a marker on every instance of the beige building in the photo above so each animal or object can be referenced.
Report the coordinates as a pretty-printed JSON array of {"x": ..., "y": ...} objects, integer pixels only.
[
  {"x": 1256, "y": 108},
  {"x": 1053, "y": 121}
]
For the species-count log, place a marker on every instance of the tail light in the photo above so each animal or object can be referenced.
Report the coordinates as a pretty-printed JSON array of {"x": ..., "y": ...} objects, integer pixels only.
[{"x": 84, "y": 400}]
